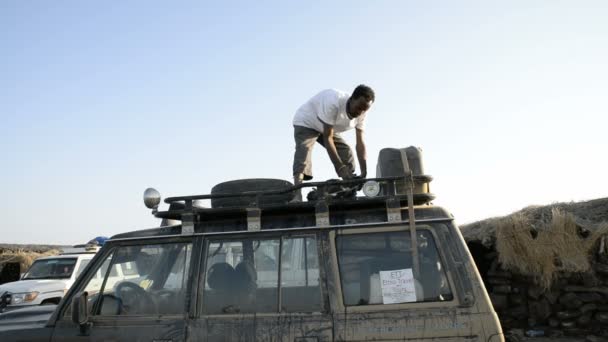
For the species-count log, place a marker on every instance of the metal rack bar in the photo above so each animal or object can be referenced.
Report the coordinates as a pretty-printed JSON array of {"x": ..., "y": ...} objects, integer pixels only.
[{"x": 417, "y": 179}]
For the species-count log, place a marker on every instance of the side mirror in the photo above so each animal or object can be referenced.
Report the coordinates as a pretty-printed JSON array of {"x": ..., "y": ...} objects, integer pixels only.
[{"x": 80, "y": 312}]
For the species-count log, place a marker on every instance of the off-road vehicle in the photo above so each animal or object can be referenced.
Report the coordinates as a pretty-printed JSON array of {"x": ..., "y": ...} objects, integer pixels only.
[{"x": 255, "y": 266}]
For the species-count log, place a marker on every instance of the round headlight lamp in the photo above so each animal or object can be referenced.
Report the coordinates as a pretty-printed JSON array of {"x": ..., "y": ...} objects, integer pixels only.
[
  {"x": 371, "y": 188},
  {"x": 151, "y": 198}
]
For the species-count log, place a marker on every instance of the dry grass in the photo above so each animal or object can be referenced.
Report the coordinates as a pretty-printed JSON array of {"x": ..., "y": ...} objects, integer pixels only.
[
  {"x": 557, "y": 247},
  {"x": 24, "y": 258}
]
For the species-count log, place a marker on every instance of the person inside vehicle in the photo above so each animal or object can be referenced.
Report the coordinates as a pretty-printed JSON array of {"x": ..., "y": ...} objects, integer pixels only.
[{"x": 65, "y": 271}]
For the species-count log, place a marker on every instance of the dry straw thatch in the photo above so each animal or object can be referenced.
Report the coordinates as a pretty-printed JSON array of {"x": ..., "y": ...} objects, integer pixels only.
[
  {"x": 542, "y": 253},
  {"x": 542, "y": 241},
  {"x": 24, "y": 258}
]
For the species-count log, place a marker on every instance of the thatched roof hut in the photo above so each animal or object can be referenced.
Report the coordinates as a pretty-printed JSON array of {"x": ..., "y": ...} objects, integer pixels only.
[
  {"x": 25, "y": 254},
  {"x": 541, "y": 241}
]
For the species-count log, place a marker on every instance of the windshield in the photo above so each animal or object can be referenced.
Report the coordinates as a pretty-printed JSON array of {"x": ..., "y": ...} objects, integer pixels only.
[{"x": 60, "y": 268}]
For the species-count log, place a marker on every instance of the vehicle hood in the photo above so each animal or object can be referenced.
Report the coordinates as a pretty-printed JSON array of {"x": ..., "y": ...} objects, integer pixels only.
[
  {"x": 40, "y": 285},
  {"x": 26, "y": 318}
]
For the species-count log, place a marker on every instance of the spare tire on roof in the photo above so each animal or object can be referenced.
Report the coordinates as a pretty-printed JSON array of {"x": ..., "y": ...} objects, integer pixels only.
[{"x": 247, "y": 185}]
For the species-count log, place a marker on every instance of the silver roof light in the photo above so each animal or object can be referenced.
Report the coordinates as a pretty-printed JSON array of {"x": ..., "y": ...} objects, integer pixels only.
[
  {"x": 151, "y": 198},
  {"x": 371, "y": 188}
]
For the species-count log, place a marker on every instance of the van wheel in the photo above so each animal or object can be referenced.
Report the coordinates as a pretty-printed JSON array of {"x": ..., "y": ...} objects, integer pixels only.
[{"x": 253, "y": 184}]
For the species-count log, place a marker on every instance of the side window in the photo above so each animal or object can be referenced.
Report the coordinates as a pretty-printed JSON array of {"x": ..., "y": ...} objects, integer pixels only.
[
  {"x": 178, "y": 277},
  {"x": 376, "y": 268},
  {"x": 141, "y": 280},
  {"x": 82, "y": 266},
  {"x": 242, "y": 276},
  {"x": 93, "y": 287},
  {"x": 300, "y": 291}
]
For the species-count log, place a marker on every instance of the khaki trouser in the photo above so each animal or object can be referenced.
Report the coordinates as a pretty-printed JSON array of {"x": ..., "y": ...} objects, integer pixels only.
[{"x": 305, "y": 139}]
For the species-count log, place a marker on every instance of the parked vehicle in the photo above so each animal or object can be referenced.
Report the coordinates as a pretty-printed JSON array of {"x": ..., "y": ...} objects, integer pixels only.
[
  {"x": 386, "y": 266},
  {"x": 47, "y": 280}
]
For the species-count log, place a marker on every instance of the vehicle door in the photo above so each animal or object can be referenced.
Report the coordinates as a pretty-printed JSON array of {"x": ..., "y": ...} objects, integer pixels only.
[
  {"x": 381, "y": 294},
  {"x": 135, "y": 292},
  {"x": 262, "y": 288}
]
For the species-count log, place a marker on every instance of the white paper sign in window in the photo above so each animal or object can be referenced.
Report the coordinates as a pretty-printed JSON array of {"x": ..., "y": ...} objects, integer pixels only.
[{"x": 398, "y": 286}]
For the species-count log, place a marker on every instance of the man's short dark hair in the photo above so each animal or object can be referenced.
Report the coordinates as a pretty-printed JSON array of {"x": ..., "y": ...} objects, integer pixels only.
[{"x": 364, "y": 91}]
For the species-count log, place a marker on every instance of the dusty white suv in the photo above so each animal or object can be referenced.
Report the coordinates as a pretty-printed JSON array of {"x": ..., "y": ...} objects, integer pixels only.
[{"x": 46, "y": 281}]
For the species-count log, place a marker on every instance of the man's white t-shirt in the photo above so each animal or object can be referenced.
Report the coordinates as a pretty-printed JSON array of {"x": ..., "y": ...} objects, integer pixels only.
[{"x": 328, "y": 106}]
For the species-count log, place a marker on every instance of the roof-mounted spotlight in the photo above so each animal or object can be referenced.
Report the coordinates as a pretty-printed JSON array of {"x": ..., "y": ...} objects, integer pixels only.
[
  {"x": 152, "y": 199},
  {"x": 371, "y": 188}
]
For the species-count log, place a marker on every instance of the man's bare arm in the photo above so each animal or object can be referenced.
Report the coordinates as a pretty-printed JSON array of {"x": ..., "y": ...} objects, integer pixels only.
[{"x": 361, "y": 153}]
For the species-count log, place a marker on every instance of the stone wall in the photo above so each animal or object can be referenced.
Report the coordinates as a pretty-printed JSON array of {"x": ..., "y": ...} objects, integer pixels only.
[{"x": 575, "y": 305}]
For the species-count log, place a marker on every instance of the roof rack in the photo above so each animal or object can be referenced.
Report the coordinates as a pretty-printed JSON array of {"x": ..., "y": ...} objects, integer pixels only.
[
  {"x": 390, "y": 187},
  {"x": 184, "y": 208},
  {"x": 409, "y": 186},
  {"x": 80, "y": 249}
]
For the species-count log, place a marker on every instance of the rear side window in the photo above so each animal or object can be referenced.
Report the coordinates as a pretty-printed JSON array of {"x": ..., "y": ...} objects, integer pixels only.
[
  {"x": 376, "y": 268},
  {"x": 262, "y": 275}
]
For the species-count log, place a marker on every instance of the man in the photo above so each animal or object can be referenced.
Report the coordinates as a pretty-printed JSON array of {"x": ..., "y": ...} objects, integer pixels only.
[{"x": 321, "y": 119}]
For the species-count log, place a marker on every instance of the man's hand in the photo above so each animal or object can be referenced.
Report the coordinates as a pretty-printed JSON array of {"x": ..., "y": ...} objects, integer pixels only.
[{"x": 344, "y": 172}]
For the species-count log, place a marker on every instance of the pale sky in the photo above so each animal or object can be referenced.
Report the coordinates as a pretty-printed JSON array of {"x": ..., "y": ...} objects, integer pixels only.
[{"x": 100, "y": 100}]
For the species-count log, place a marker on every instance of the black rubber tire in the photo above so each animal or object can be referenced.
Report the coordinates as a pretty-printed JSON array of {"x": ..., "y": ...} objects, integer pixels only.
[{"x": 253, "y": 184}]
